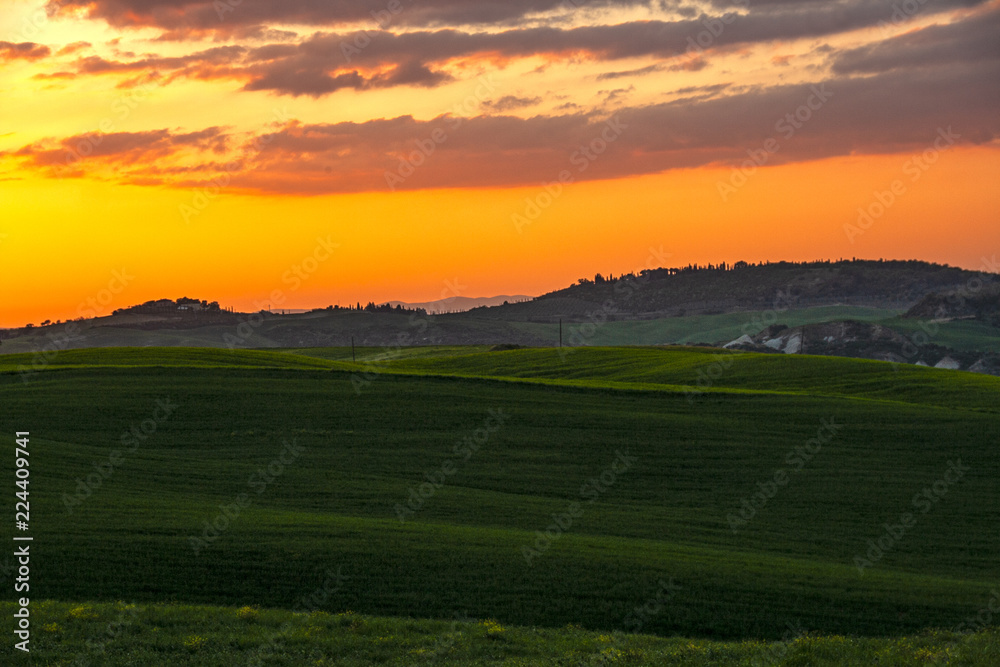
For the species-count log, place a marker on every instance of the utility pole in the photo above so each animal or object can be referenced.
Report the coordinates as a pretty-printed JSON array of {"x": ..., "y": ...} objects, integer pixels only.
[
  {"x": 353, "y": 358},
  {"x": 560, "y": 332}
]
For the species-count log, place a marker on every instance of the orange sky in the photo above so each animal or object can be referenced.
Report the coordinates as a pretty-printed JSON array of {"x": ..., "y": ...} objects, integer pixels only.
[{"x": 248, "y": 158}]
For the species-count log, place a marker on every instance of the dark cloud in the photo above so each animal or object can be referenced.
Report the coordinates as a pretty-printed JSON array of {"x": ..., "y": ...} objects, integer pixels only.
[
  {"x": 617, "y": 93},
  {"x": 293, "y": 78},
  {"x": 324, "y": 62},
  {"x": 23, "y": 51},
  {"x": 701, "y": 92},
  {"x": 511, "y": 102},
  {"x": 73, "y": 48},
  {"x": 122, "y": 149},
  {"x": 975, "y": 39},
  {"x": 228, "y": 15},
  {"x": 223, "y": 55},
  {"x": 887, "y": 6},
  {"x": 890, "y": 113},
  {"x": 894, "y": 112},
  {"x": 180, "y": 17},
  {"x": 641, "y": 71}
]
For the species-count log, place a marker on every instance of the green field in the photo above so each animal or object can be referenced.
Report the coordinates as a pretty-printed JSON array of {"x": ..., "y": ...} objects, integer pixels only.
[
  {"x": 681, "y": 436},
  {"x": 120, "y": 634},
  {"x": 966, "y": 335},
  {"x": 717, "y": 328},
  {"x": 464, "y": 327}
]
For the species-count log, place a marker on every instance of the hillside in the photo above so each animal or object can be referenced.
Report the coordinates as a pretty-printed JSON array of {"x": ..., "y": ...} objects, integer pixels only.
[
  {"x": 866, "y": 340},
  {"x": 892, "y": 309},
  {"x": 781, "y": 285},
  {"x": 680, "y": 437},
  {"x": 983, "y": 305},
  {"x": 459, "y": 304}
]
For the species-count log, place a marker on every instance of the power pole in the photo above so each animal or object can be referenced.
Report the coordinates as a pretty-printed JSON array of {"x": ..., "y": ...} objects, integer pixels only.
[
  {"x": 353, "y": 358},
  {"x": 560, "y": 332}
]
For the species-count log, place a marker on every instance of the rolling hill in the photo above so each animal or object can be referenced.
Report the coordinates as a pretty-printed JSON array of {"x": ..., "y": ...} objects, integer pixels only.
[
  {"x": 526, "y": 486},
  {"x": 691, "y": 305}
]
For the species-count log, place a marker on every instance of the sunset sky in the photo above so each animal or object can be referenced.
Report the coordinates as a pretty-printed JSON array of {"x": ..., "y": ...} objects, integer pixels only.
[{"x": 333, "y": 152}]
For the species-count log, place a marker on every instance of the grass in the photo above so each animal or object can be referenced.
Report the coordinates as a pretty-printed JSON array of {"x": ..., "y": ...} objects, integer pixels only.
[
  {"x": 717, "y": 328},
  {"x": 125, "y": 531},
  {"x": 341, "y": 326},
  {"x": 706, "y": 370},
  {"x": 963, "y": 335},
  {"x": 117, "y": 633}
]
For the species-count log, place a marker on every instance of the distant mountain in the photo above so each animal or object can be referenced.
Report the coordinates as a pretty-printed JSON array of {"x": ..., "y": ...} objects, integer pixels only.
[{"x": 460, "y": 304}]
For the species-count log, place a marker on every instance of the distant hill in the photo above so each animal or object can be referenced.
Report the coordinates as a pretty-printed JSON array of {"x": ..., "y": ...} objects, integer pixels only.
[
  {"x": 460, "y": 304},
  {"x": 865, "y": 340},
  {"x": 906, "y": 311},
  {"x": 712, "y": 289},
  {"x": 982, "y": 305}
]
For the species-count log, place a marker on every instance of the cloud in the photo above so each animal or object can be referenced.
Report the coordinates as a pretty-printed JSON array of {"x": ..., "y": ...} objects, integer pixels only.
[
  {"x": 511, "y": 102},
  {"x": 23, "y": 51},
  {"x": 617, "y": 93},
  {"x": 122, "y": 150},
  {"x": 233, "y": 16},
  {"x": 893, "y": 111},
  {"x": 641, "y": 71},
  {"x": 972, "y": 40},
  {"x": 73, "y": 48},
  {"x": 293, "y": 78},
  {"x": 701, "y": 92},
  {"x": 890, "y": 113},
  {"x": 326, "y": 62},
  {"x": 227, "y": 15}
]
